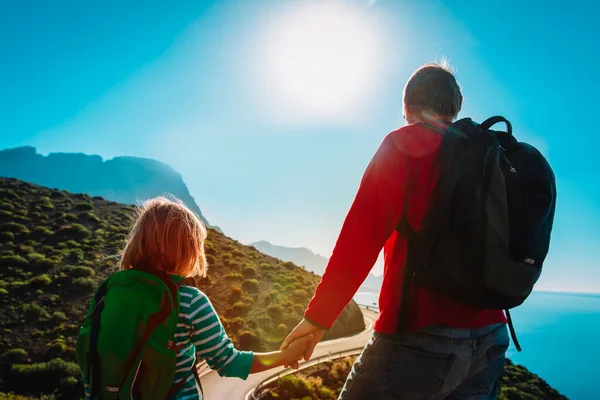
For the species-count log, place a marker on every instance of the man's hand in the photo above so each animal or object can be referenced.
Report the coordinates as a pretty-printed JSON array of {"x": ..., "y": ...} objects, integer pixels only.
[{"x": 302, "y": 329}]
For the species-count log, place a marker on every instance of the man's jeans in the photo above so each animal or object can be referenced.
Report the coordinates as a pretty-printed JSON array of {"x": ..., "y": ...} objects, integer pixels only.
[{"x": 434, "y": 363}]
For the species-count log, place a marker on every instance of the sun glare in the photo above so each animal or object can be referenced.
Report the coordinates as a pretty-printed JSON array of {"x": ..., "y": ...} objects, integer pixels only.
[{"x": 321, "y": 58}]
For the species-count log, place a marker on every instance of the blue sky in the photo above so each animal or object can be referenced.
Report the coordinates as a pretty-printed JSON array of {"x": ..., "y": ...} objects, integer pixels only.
[{"x": 272, "y": 109}]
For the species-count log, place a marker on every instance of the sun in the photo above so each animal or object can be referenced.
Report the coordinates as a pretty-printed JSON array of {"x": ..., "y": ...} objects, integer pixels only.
[{"x": 321, "y": 59}]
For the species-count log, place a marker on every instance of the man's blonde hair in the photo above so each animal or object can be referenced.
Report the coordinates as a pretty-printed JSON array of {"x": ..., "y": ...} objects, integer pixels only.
[
  {"x": 433, "y": 90},
  {"x": 166, "y": 235}
]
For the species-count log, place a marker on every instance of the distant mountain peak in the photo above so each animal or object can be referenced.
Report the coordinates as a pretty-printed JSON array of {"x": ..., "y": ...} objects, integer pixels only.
[
  {"x": 265, "y": 243},
  {"x": 309, "y": 259},
  {"x": 124, "y": 179}
]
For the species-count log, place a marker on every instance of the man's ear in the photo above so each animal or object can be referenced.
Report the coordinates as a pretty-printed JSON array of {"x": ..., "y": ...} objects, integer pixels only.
[{"x": 460, "y": 103}]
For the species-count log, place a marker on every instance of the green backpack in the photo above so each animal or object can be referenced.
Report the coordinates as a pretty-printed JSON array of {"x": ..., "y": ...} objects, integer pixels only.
[{"x": 126, "y": 347}]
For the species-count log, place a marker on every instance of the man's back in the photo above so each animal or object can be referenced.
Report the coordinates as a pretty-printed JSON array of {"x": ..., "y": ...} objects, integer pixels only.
[
  {"x": 446, "y": 350},
  {"x": 399, "y": 180}
]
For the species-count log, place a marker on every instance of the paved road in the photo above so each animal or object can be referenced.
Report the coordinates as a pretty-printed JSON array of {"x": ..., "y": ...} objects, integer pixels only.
[{"x": 218, "y": 388}]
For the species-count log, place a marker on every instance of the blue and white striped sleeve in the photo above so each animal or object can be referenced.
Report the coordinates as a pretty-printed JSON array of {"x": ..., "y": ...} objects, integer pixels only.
[
  {"x": 86, "y": 388},
  {"x": 211, "y": 340}
]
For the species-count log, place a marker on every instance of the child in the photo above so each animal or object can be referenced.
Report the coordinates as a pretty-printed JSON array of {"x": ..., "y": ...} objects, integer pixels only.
[{"x": 170, "y": 238}]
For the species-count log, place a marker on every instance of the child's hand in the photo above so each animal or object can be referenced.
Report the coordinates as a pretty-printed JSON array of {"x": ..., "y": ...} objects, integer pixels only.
[{"x": 295, "y": 350}]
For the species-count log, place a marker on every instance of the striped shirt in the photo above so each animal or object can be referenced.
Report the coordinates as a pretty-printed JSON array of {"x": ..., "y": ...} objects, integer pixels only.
[{"x": 202, "y": 336}]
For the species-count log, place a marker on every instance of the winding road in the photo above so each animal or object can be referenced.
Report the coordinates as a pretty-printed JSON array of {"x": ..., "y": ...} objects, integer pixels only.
[{"x": 218, "y": 388}]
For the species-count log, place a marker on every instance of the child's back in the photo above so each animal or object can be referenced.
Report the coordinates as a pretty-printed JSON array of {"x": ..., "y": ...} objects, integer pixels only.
[{"x": 134, "y": 343}]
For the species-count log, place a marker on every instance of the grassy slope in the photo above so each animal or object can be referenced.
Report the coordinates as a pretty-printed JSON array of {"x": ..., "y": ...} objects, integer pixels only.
[
  {"x": 55, "y": 249},
  {"x": 325, "y": 381}
]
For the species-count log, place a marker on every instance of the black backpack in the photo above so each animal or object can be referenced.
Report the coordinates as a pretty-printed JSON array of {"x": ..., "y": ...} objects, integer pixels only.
[{"x": 486, "y": 234}]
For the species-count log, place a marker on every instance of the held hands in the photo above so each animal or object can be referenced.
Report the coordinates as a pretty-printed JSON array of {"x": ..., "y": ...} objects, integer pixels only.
[
  {"x": 308, "y": 335},
  {"x": 296, "y": 350}
]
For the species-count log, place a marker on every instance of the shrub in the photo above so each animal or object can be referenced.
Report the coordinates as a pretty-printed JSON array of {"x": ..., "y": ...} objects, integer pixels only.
[
  {"x": 233, "y": 325},
  {"x": 57, "y": 194},
  {"x": 44, "y": 263},
  {"x": 3, "y": 292},
  {"x": 71, "y": 244},
  {"x": 326, "y": 393},
  {"x": 236, "y": 293},
  {"x": 298, "y": 309},
  {"x": 249, "y": 340},
  {"x": 84, "y": 206},
  {"x": 239, "y": 308},
  {"x": 42, "y": 231},
  {"x": 34, "y": 312},
  {"x": 6, "y": 215},
  {"x": 21, "y": 212},
  {"x": 5, "y": 205},
  {"x": 275, "y": 311},
  {"x": 40, "y": 281},
  {"x": 13, "y": 356},
  {"x": 76, "y": 231},
  {"x": 84, "y": 283},
  {"x": 88, "y": 216},
  {"x": 13, "y": 261},
  {"x": 74, "y": 256},
  {"x": 34, "y": 257},
  {"x": 282, "y": 329},
  {"x": 26, "y": 249},
  {"x": 8, "y": 194},
  {"x": 233, "y": 276},
  {"x": 289, "y": 265},
  {"x": 56, "y": 348},
  {"x": 80, "y": 271},
  {"x": 59, "y": 316},
  {"x": 250, "y": 285},
  {"x": 47, "y": 206},
  {"x": 13, "y": 227},
  {"x": 237, "y": 253},
  {"x": 293, "y": 387},
  {"x": 20, "y": 218},
  {"x": 43, "y": 377},
  {"x": 7, "y": 236},
  {"x": 210, "y": 259},
  {"x": 249, "y": 272},
  {"x": 299, "y": 295},
  {"x": 70, "y": 217}
]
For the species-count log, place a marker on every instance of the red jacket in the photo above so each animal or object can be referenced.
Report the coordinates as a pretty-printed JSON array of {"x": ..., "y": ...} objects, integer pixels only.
[{"x": 370, "y": 226}]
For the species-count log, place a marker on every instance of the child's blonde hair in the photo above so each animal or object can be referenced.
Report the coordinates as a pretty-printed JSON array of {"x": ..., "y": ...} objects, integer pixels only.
[{"x": 166, "y": 235}]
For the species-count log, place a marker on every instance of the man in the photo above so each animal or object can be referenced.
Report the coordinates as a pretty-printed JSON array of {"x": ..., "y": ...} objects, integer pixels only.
[{"x": 448, "y": 350}]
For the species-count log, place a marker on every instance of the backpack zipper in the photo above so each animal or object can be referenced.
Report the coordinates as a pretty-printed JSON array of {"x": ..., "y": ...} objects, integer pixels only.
[
  {"x": 97, "y": 304},
  {"x": 511, "y": 167}
]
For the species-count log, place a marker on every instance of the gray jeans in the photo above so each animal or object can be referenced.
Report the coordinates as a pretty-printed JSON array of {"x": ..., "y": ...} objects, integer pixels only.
[{"x": 434, "y": 363}]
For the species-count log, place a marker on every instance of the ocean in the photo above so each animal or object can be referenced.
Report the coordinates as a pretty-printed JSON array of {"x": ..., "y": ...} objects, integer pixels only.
[{"x": 560, "y": 338}]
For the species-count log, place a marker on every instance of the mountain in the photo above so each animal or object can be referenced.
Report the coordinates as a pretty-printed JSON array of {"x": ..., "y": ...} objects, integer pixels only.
[
  {"x": 298, "y": 255},
  {"x": 121, "y": 179},
  {"x": 55, "y": 249},
  {"x": 313, "y": 262}
]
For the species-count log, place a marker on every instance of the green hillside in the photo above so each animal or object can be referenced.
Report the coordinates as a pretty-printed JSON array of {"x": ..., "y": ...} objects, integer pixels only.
[{"x": 55, "y": 249}]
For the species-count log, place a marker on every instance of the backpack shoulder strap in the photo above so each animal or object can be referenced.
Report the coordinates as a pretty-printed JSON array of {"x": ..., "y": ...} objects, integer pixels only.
[
  {"x": 155, "y": 319},
  {"x": 189, "y": 281},
  {"x": 94, "y": 371},
  {"x": 175, "y": 388}
]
